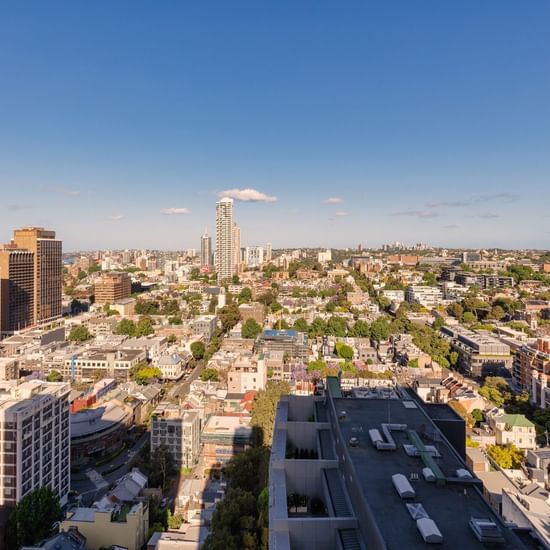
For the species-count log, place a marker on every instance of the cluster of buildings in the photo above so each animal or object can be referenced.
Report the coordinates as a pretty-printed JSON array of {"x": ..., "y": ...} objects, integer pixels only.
[{"x": 228, "y": 257}]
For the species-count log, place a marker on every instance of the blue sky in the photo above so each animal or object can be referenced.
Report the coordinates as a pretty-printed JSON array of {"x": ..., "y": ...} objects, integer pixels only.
[{"x": 430, "y": 121}]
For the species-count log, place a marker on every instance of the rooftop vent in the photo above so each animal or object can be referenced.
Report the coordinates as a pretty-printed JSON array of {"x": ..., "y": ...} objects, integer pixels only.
[
  {"x": 429, "y": 531},
  {"x": 463, "y": 474},
  {"x": 486, "y": 530},
  {"x": 428, "y": 474},
  {"x": 342, "y": 415},
  {"x": 402, "y": 486}
]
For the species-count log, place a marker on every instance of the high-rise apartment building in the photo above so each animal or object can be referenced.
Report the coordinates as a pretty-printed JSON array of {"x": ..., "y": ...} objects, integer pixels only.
[
  {"x": 268, "y": 252},
  {"x": 48, "y": 270},
  {"x": 113, "y": 287},
  {"x": 254, "y": 256},
  {"x": 34, "y": 439},
  {"x": 16, "y": 289},
  {"x": 225, "y": 266},
  {"x": 236, "y": 247},
  {"x": 206, "y": 252}
]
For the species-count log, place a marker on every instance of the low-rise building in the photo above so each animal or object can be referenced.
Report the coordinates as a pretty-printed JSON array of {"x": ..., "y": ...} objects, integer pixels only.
[
  {"x": 254, "y": 310},
  {"x": 289, "y": 342},
  {"x": 118, "y": 520},
  {"x": 99, "y": 432},
  {"x": 224, "y": 437},
  {"x": 512, "y": 429},
  {"x": 247, "y": 374},
  {"x": 178, "y": 430},
  {"x": 171, "y": 366},
  {"x": 205, "y": 326},
  {"x": 109, "y": 363},
  {"x": 427, "y": 296},
  {"x": 478, "y": 354}
]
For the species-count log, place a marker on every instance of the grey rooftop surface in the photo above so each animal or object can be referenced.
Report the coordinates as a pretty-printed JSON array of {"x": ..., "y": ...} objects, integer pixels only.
[{"x": 450, "y": 505}]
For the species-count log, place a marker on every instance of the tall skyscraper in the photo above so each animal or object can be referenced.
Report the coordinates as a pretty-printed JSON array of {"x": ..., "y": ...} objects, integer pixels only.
[
  {"x": 225, "y": 266},
  {"x": 268, "y": 252},
  {"x": 16, "y": 289},
  {"x": 48, "y": 270},
  {"x": 236, "y": 247},
  {"x": 206, "y": 252}
]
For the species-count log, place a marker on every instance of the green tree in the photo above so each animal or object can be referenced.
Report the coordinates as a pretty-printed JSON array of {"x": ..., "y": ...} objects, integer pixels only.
[
  {"x": 459, "y": 408},
  {"x": 337, "y": 326},
  {"x": 497, "y": 312},
  {"x": 251, "y": 329},
  {"x": 79, "y": 333},
  {"x": 380, "y": 329},
  {"x": 198, "y": 350},
  {"x": 468, "y": 317},
  {"x": 33, "y": 517},
  {"x": 143, "y": 373},
  {"x": 229, "y": 316},
  {"x": 456, "y": 310},
  {"x": 429, "y": 279},
  {"x": 477, "y": 415},
  {"x": 361, "y": 329},
  {"x": 164, "y": 466},
  {"x": 245, "y": 295},
  {"x": 344, "y": 351},
  {"x": 264, "y": 407},
  {"x": 453, "y": 358},
  {"x": 506, "y": 456},
  {"x": 210, "y": 374},
  {"x": 145, "y": 327},
  {"x": 126, "y": 327},
  {"x": 147, "y": 307},
  {"x": 54, "y": 376},
  {"x": 172, "y": 339},
  {"x": 234, "y": 522}
]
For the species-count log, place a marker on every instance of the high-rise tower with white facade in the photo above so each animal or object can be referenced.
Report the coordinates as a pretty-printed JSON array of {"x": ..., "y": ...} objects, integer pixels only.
[{"x": 225, "y": 266}]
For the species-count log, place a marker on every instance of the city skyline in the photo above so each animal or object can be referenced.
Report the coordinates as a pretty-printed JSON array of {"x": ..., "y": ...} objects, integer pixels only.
[{"x": 434, "y": 128}]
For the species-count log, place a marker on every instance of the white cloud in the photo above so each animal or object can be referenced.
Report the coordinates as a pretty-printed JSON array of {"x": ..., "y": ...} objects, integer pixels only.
[
  {"x": 61, "y": 190},
  {"x": 116, "y": 217},
  {"x": 417, "y": 213},
  {"x": 173, "y": 211},
  {"x": 247, "y": 195},
  {"x": 334, "y": 200},
  {"x": 341, "y": 214}
]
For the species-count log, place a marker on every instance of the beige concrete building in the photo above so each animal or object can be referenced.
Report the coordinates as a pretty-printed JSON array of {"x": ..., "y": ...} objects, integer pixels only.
[
  {"x": 48, "y": 270},
  {"x": 113, "y": 287},
  {"x": 16, "y": 289},
  {"x": 125, "y": 525}
]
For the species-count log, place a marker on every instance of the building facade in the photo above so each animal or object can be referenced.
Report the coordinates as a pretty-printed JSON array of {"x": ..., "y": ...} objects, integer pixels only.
[
  {"x": 34, "y": 439},
  {"x": 531, "y": 370},
  {"x": 113, "y": 287},
  {"x": 225, "y": 250},
  {"x": 16, "y": 289},
  {"x": 206, "y": 252},
  {"x": 478, "y": 354},
  {"x": 179, "y": 431},
  {"x": 48, "y": 270}
]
